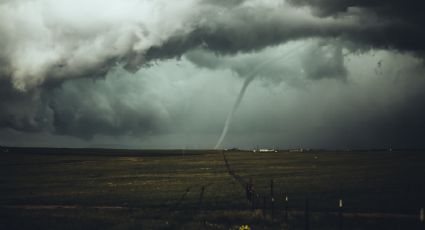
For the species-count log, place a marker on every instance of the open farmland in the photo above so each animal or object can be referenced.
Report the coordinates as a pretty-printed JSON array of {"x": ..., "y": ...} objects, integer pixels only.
[{"x": 195, "y": 190}]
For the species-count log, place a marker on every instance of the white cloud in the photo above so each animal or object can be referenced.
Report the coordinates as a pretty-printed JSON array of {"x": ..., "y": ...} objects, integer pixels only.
[{"x": 43, "y": 38}]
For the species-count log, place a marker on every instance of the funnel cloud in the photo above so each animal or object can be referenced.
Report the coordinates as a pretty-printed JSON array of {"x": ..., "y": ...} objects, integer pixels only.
[{"x": 161, "y": 74}]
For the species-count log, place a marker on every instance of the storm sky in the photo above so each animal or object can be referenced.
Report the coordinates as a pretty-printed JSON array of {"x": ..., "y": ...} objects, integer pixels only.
[{"x": 166, "y": 74}]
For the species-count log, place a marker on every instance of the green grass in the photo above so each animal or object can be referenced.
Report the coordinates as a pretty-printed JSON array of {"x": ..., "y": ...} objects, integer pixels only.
[{"x": 163, "y": 192}]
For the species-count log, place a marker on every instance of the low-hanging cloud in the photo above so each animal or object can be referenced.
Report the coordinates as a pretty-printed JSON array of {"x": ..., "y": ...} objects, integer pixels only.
[
  {"x": 324, "y": 61},
  {"x": 50, "y": 52},
  {"x": 316, "y": 58},
  {"x": 46, "y": 40}
]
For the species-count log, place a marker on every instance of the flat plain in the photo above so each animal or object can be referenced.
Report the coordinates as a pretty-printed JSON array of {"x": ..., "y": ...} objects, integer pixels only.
[{"x": 178, "y": 189}]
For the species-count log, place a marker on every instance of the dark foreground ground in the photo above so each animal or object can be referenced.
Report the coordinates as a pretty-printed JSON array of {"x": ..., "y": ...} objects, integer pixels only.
[{"x": 196, "y": 190}]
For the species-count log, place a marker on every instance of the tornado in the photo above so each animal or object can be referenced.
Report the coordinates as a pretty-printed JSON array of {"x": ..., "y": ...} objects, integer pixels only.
[
  {"x": 233, "y": 110},
  {"x": 241, "y": 94}
]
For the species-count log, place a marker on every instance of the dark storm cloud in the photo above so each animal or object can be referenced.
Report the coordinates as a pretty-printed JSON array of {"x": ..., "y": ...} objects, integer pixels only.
[
  {"x": 50, "y": 49},
  {"x": 246, "y": 29},
  {"x": 46, "y": 41},
  {"x": 366, "y": 25},
  {"x": 84, "y": 108},
  {"x": 403, "y": 26},
  {"x": 22, "y": 110},
  {"x": 411, "y": 11}
]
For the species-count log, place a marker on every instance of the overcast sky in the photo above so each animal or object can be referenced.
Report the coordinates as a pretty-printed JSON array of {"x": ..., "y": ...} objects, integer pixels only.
[{"x": 167, "y": 74}]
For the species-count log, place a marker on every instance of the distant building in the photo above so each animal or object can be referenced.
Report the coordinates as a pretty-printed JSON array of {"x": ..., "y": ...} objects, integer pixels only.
[{"x": 265, "y": 150}]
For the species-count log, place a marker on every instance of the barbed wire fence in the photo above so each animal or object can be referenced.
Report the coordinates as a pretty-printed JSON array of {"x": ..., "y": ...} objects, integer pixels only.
[{"x": 268, "y": 204}]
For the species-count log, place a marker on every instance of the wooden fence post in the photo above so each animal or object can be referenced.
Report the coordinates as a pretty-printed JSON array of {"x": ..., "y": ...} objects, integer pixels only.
[
  {"x": 257, "y": 201},
  {"x": 340, "y": 213},
  {"x": 201, "y": 197},
  {"x": 340, "y": 209},
  {"x": 286, "y": 208},
  {"x": 306, "y": 214},
  {"x": 272, "y": 198}
]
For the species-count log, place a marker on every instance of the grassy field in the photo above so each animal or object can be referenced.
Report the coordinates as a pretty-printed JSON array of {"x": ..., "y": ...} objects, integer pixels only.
[{"x": 124, "y": 190}]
